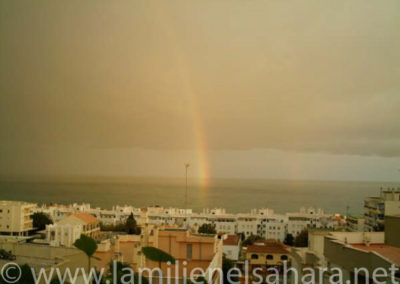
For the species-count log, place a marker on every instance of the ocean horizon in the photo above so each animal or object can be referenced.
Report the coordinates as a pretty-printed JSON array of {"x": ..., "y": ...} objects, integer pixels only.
[{"x": 235, "y": 195}]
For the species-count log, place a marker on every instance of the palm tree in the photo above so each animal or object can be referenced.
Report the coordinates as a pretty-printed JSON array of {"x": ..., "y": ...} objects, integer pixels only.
[
  {"x": 157, "y": 255},
  {"x": 88, "y": 246}
]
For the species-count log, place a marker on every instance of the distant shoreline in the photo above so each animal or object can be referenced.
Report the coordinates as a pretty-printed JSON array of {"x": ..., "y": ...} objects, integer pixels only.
[{"x": 150, "y": 179}]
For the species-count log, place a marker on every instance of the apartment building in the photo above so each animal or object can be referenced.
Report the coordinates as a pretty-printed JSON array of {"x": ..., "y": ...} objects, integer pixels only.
[
  {"x": 224, "y": 223},
  {"x": 349, "y": 251},
  {"x": 308, "y": 218},
  {"x": 264, "y": 222},
  {"x": 15, "y": 218},
  {"x": 311, "y": 257},
  {"x": 116, "y": 215},
  {"x": 376, "y": 208},
  {"x": 247, "y": 224},
  {"x": 273, "y": 227},
  {"x": 355, "y": 223}
]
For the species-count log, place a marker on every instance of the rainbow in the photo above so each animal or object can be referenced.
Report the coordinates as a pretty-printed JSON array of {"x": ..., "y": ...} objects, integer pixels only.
[
  {"x": 201, "y": 146},
  {"x": 203, "y": 171},
  {"x": 202, "y": 166}
]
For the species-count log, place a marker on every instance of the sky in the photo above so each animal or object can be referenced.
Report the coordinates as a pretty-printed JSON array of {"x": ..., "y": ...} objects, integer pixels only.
[{"x": 251, "y": 89}]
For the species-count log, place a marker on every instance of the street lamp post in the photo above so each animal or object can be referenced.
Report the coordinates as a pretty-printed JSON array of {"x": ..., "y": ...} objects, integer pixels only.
[{"x": 187, "y": 165}]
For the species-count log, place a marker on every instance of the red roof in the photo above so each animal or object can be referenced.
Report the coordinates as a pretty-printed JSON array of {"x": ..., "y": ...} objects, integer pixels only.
[
  {"x": 86, "y": 217},
  {"x": 390, "y": 252},
  {"x": 232, "y": 240},
  {"x": 268, "y": 248}
]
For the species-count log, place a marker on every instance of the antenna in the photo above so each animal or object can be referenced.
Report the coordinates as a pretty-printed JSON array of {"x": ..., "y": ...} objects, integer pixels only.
[{"x": 187, "y": 165}]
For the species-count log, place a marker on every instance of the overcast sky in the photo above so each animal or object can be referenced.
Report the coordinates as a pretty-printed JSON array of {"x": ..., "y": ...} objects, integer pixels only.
[{"x": 276, "y": 89}]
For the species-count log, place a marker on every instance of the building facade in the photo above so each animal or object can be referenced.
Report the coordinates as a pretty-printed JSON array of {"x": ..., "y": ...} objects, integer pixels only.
[
  {"x": 69, "y": 229},
  {"x": 15, "y": 218},
  {"x": 267, "y": 254},
  {"x": 231, "y": 247},
  {"x": 375, "y": 209},
  {"x": 263, "y": 222}
]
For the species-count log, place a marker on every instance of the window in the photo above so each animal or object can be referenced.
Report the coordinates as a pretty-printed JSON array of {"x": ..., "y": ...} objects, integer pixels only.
[
  {"x": 189, "y": 251},
  {"x": 284, "y": 257},
  {"x": 270, "y": 256},
  {"x": 254, "y": 256}
]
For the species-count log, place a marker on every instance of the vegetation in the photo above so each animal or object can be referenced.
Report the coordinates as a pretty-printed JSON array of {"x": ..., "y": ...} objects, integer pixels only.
[
  {"x": 227, "y": 264},
  {"x": 6, "y": 255},
  {"x": 157, "y": 255},
  {"x": 379, "y": 227},
  {"x": 113, "y": 228},
  {"x": 130, "y": 226},
  {"x": 199, "y": 280},
  {"x": 88, "y": 246},
  {"x": 207, "y": 229},
  {"x": 40, "y": 220},
  {"x": 289, "y": 240},
  {"x": 55, "y": 280},
  {"x": 124, "y": 274},
  {"x": 251, "y": 240},
  {"x": 301, "y": 240},
  {"x": 12, "y": 274}
]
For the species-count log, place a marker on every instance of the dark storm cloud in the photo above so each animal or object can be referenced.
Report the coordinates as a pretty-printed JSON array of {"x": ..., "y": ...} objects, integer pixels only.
[{"x": 308, "y": 76}]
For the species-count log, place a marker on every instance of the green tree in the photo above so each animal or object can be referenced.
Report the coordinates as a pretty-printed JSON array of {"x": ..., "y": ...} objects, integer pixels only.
[
  {"x": 251, "y": 240},
  {"x": 88, "y": 246},
  {"x": 227, "y": 264},
  {"x": 55, "y": 280},
  {"x": 301, "y": 240},
  {"x": 131, "y": 226},
  {"x": 157, "y": 255},
  {"x": 26, "y": 276},
  {"x": 198, "y": 280},
  {"x": 207, "y": 229},
  {"x": 40, "y": 220},
  {"x": 379, "y": 227},
  {"x": 123, "y": 274},
  {"x": 289, "y": 240}
]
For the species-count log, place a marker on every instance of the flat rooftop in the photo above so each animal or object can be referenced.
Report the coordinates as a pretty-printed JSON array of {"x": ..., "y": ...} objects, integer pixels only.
[{"x": 11, "y": 202}]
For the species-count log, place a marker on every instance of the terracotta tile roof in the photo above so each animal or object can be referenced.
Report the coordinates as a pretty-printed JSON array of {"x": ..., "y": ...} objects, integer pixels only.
[
  {"x": 390, "y": 252},
  {"x": 232, "y": 240},
  {"x": 268, "y": 248},
  {"x": 86, "y": 217}
]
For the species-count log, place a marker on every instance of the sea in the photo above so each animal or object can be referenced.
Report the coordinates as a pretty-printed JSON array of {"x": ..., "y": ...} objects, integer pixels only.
[{"x": 235, "y": 195}]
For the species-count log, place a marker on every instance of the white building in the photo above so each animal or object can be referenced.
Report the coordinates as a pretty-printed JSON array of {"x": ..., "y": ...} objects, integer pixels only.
[
  {"x": 247, "y": 224},
  {"x": 231, "y": 247},
  {"x": 355, "y": 223},
  {"x": 114, "y": 216},
  {"x": 263, "y": 222},
  {"x": 308, "y": 218},
  {"x": 15, "y": 218},
  {"x": 273, "y": 227},
  {"x": 69, "y": 229}
]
